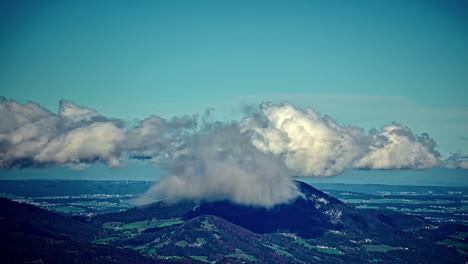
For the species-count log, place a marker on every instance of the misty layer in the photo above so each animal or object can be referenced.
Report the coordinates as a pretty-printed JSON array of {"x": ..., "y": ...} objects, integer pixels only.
[
  {"x": 311, "y": 145},
  {"x": 220, "y": 163}
]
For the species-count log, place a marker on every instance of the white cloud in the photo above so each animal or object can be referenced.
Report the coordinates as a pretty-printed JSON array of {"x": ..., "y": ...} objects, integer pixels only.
[
  {"x": 396, "y": 147},
  {"x": 309, "y": 144},
  {"x": 97, "y": 141},
  {"x": 76, "y": 113},
  {"x": 31, "y": 136},
  {"x": 247, "y": 163},
  {"x": 312, "y": 145}
]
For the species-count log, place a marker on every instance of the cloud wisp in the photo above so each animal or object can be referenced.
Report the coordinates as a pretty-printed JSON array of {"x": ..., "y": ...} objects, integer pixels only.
[{"x": 249, "y": 162}]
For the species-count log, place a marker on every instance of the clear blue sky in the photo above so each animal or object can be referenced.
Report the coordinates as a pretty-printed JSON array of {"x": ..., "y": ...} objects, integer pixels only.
[{"x": 363, "y": 62}]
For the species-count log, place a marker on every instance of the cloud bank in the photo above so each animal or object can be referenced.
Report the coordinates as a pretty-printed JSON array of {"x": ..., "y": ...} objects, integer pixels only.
[{"x": 249, "y": 162}]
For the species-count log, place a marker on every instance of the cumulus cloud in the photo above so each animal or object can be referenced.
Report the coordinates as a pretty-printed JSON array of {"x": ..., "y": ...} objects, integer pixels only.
[
  {"x": 457, "y": 161},
  {"x": 220, "y": 163},
  {"x": 396, "y": 147},
  {"x": 312, "y": 145},
  {"x": 75, "y": 113},
  {"x": 31, "y": 136},
  {"x": 250, "y": 162},
  {"x": 309, "y": 144},
  {"x": 97, "y": 141},
  {"x": 153, "y": 135}
]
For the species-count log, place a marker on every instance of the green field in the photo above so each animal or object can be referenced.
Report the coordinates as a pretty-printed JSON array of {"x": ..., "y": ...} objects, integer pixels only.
[
  {"x": 379, "y": 248},
  {"x": 453, "y": 243},
  {"x": 327, "y": 250},
  {"x": 201, "y": 258},
  {"x": 141, "y": 224},
  {"x": 207, "y": 225},
  {"x": 170, "y": 223},
  {"x": 240, "y": 254},
  {"x": 112, "y": 225},
  {"x": 279, "y": 250},
  {"x": 182, "y": 243},
  {"x": 106, "y": 240}
]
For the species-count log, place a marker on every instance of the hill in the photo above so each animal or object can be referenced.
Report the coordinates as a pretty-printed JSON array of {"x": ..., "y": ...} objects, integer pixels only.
[
  {"x": 25, "y": 218},
  {"x": 32, "y": 235},
  {"x": 314, "y": 228}
]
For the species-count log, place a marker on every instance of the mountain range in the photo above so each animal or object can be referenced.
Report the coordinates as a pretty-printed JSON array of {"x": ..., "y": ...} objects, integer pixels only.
[{"x": 314, "y": 228}]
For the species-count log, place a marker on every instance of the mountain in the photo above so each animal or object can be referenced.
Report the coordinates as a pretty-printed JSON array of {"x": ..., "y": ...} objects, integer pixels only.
[
  {"x": 210, "y": 236},
  {"x": 314, "y": 228},
  {"x": 32, "y": 235},
  {"x": 25, "y": 218},
  {"x": 308, "y": 216},
  {"x": 157, "y": 210},
  {"x": 26, "y": 248}
]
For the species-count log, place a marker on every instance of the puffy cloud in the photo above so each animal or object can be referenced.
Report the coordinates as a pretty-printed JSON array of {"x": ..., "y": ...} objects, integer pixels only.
[
  {"x": 76, "y": 113},
  {"x": 25, "y": 130},
  {"x": 154, "y": 134},
  {"x": 97, "y": 141},
  {"x": 457, "y": 161},
  {"x": 31, "y": 136},
  {"x": 309, "y": 144},
  {"x": 396, "y": 147},
  {"x": 312, "y": 145},
  {"x": 248, "y": 163},
  {"x": 220, "y": 163}
]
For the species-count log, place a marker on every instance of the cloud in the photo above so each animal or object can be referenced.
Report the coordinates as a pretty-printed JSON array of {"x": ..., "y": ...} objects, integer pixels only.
[
  {"x": 95, "y": 142},
  {"x": 396, "y": 147},
  {"x": 153, "y": 135},
  {"x": 31, "y": 136},
  {"x": 312, "y": 145},
  {"x": 76, "y": 113},
  {"x": 220, "y": 163},
  {"x": 457, "y": 161},
  {"x": 251, "y": 162}
]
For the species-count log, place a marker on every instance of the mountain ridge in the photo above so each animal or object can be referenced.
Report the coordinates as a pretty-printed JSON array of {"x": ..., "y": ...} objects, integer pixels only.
[{"x": 314, "y": 228}]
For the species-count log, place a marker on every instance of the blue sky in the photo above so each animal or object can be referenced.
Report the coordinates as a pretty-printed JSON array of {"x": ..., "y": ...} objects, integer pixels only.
[{"x": 365, "y": 63}]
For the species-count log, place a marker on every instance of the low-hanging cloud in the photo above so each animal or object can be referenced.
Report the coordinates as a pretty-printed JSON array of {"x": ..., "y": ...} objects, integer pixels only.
[
  {"x": 220, "y": 163},
  {"x": 249, "y": 162}
]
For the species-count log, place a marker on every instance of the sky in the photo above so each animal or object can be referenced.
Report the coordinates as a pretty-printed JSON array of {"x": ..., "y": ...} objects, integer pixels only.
[{"x": 364, "y": 63}]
